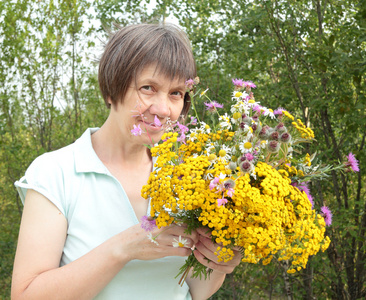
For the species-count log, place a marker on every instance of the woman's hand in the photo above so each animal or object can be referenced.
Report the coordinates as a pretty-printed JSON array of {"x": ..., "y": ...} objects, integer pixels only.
[
  {"x": 205, "y": 249},
  {"x": 137, "y": 243}
]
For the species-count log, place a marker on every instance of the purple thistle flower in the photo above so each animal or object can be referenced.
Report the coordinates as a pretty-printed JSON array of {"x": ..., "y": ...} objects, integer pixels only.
[
  {"x": 147, "y": 223},
  {"x": 212, "y": 106},
  {"x": 257, "y": 108},
  {"x": 190, "y": 83},
  {"x": 278, "y": 111},
  {"x": 136, "y": 130},
  {"x": 238, "y": 82},
  {"x": 249, "y": 84},
  {"x": 303, "y": 186},
  {"x": 352, "y": 162},
  {"x": 327, "y": 215}
]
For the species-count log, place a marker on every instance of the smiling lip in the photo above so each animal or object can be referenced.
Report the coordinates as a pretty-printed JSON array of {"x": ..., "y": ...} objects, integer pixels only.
[{"x": 152, "y": 126}]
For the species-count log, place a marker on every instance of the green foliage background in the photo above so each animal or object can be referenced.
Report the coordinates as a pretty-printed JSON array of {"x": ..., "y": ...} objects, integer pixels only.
[{"x": 307, "y": 56}]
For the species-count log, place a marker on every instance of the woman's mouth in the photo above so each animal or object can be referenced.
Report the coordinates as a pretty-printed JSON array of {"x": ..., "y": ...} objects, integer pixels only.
[{"x": 152, "y": 126}]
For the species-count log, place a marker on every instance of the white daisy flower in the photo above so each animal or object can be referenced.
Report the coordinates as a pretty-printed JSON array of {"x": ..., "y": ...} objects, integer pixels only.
[
  {"x": 246, "y": 146},
  {"x": 239, "y": 95},
  {"x": 152, "y": 238},
  {"x": 268, "y": 112},
  {"x": 241, "y": 106},
  {"x": 208, "y": 176},
  {"x": 205, "y": 128},
  {"x": 225, "y": 121},
  {"x": 210, "y": 149},
  {"x": 224, "y": 153},
  {"x": 253, "y": 175},
  {"x": 193, "y": 136},
  {"x": 181, "y": 242},
  {"x": 263, "y": 144},
  {"x": 203, "y": 93}
]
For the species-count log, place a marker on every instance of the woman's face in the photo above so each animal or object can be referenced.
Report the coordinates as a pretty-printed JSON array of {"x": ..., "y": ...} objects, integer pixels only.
[{"x": 150, "y": 96}]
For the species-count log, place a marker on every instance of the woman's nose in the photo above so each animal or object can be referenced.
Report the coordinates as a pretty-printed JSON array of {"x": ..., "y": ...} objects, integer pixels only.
[{"x": 161, "y": 107}]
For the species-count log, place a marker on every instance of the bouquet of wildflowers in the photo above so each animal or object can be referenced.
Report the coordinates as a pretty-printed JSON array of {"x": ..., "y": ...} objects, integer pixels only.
[{"x": 244, "y": 180}]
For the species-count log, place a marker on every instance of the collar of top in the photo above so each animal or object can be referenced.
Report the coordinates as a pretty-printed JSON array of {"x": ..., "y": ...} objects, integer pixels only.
[{"x": 86, "y": 160}]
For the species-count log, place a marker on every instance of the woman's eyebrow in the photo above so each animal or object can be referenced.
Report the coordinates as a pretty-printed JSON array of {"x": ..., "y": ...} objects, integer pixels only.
[
  {"x": 147, "y": 81},
  {"x": 153, "y": 81}
]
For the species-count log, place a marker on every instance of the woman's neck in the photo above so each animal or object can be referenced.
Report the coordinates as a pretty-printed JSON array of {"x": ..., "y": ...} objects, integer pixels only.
[{"x": 113, "y": 149}]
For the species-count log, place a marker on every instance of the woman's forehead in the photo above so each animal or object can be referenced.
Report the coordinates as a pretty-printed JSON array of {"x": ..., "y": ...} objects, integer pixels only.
[{"x": 154, "y": 72}]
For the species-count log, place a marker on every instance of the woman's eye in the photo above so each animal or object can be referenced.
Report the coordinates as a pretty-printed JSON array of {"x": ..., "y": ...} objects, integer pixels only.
[
  {"x": 177, "y": 93},
  {"x": 147, "y": 87}
]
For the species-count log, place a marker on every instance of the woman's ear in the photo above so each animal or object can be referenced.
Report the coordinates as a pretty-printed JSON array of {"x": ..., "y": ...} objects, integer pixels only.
[
  {"x": 186, "y": 106},
  {"x": 109, "y": 103}
]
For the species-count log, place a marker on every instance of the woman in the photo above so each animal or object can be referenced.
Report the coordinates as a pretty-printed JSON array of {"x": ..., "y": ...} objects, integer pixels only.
[{"x": 80, "y": 236}]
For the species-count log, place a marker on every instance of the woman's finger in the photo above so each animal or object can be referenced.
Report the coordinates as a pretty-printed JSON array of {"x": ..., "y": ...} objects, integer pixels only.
[
  {"x": 207, "y": 248},
  {"x": 176, "y": 230},
  {"x": 227, "y": 269},
  {"x": 204, "y": 231}
]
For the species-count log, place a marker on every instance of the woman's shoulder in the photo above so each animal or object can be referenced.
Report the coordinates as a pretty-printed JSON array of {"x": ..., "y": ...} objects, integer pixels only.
[
  {"x": 57, "y": 159},
  {"x": 46, "y": 175},
  {"x": 63, "y": 158}
]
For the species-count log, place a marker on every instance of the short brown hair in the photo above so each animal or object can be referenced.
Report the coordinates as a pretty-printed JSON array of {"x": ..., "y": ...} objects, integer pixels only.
[{"x": 134, "y": 47}]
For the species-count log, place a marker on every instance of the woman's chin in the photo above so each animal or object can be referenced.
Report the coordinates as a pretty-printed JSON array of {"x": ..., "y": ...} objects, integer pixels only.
[{"x": 151, "y": 137}]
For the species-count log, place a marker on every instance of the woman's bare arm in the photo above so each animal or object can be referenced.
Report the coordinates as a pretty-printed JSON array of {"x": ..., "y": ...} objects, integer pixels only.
[{"x": 42, "y": 235}]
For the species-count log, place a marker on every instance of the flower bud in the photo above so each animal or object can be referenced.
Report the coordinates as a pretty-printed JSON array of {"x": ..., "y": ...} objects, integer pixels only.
[
  {"x": 255, "y": 117},
  {"x": 270, "y": 130},
  {"x": 281, "y": 128},
  {"x": 273, "y": 146},
  {"x": 229, "y": 184},
  {"x": 264, "y": 134},
  {"x": 232, "y": 166},
  {"x": 246, "y": 119},
  {"x": 246, "y": 167},
  {"x": 274, "y": 136},
  {"x": 285, "y": 137}
]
